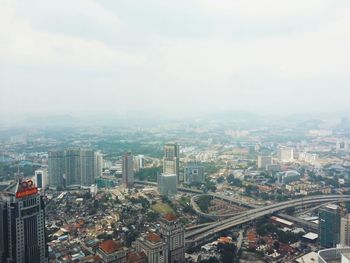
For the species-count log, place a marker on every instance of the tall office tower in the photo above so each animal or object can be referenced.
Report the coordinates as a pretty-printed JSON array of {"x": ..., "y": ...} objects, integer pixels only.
[
  {"x": 329, "y": 226},
  {"x": 40, "y": 178},
  {"x": 194, "y": 173},
  {"x": 73, "y": 167},
  {"x": 264, "y": 161},
  {"x": 174, "y": 234},
  {"x": 345, "y": 230},
  {"x": 139, "y": 162},
  {"x": 154, "y": 247},
  {"x": 167, "y": 184},
  {"x": 2, "y": 230},
  {"x": 285, "y": 154},
  {"x": 98, "y": 164},
  {"x": 171, "y": 159},
  {"x": 57, "y": 169},
  {"x": 128, "y": 170},
  {"x": 87, "y": 161},
  {"x": 23, "y": 219}
]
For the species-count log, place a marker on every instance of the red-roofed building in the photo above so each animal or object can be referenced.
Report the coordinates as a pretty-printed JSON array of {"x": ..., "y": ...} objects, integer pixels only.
[
  {"x": 154, "y": 238},
  {"x": 174, "y": 235},
  {"x": 154, "y": 247},
  {"x": 169, "y": 217},
  {"x": 111, "y": 251},
  {"x": 136, "y": 257}
]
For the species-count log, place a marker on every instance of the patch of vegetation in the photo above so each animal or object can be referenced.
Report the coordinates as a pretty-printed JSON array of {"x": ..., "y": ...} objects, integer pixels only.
[
  {"x": 149, "y": 174},
  {"x": 203, "y": 202},
  {"x": 162, "y": 208}
]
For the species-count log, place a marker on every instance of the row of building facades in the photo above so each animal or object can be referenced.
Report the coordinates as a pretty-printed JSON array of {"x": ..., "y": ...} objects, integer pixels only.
[
  {"x": 80, "y": 167},
  {"x": 74, "y": 167}
]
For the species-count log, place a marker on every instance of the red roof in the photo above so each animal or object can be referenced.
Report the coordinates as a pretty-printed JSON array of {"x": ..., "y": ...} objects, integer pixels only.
[
  {"x": 170, "y": 217},
  {"x": 154, "y": 238},
  {"x": 110, "y": 246},
  {"x": 134, "y": 257}
]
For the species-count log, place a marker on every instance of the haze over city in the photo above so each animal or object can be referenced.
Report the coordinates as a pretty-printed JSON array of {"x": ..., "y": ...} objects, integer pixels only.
[
  {"x": 173, "y": 58},
  {"x": 154, "y": 131}
]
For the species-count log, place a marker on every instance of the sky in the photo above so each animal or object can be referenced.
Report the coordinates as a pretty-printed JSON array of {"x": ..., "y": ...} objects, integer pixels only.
[{"x": 82, "y": 57}]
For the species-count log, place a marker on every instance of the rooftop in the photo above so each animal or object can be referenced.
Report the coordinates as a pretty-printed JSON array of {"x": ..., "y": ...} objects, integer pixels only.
[
  {"x": 154, "y": 238},
  {"x": 134, "y": 257},
  {"x": 311, "y": 236},
  {"x": 170, "y": 217},
  {"x": 110, "y": 246}
]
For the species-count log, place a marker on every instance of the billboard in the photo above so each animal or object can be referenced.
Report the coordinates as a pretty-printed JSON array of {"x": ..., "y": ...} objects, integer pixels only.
[{"x": 26, "y": 188}]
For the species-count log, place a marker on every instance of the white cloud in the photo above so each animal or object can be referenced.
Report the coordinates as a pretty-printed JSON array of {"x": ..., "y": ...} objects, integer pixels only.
[
  {"x": 23, "y": 44},
  {"x": 249, "y": 54}
]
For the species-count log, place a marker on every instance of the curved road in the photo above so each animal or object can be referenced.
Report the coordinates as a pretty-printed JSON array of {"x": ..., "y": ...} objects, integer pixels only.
[{"x": 202, "y": 233}]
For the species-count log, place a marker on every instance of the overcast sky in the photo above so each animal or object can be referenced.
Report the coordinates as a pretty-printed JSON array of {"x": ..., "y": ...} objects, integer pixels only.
[{"x": 112, "y": 56}]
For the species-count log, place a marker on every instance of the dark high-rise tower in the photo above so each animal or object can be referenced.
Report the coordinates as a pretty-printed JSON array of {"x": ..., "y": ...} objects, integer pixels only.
[
  {"x": 73, "y": 167},
  {"x": 22, "y": 225},
  {"x": 128, "y": 170},
  {"x": 329, "y": 226},
  {"x": 87, "y": 160},
  {"x": 57, "y": 169}
]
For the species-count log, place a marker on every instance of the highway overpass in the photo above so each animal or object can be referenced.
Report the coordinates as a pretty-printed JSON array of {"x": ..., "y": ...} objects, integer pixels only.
[{"x": 198, "y": 235}]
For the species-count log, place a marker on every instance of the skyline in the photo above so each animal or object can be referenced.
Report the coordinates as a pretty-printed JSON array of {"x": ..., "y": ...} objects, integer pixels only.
[{"x": 176, "y": 59}]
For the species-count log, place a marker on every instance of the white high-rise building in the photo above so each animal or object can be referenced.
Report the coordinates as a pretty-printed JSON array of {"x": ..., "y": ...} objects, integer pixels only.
[
  {"x": 285, "y": 154},
  {"x": 41, "y": 178},
  {"x": 167, "y": 184}
]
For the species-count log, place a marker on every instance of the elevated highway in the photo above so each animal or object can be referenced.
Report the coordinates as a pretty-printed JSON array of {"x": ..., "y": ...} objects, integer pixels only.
[{"x": 196, "y": 236}]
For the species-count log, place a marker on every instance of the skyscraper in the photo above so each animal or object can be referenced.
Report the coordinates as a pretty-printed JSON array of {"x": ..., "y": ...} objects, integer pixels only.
[
  {"x": 87, "y": 161},
  {"x": 139, "y": 161},
  {"x": 194, "y": 173},
  {"x": 345, "y": 230},
  {"x": 174, "y": 234},
  {"x": 167, "y": 184},
  {"x": 57, "y": 169},
  {"x": 171, "y": 159},
  {"x": 73, "y": 167},
  {"x": 128, "y": 170},
  {"x": 23, "y": 224},
  {"x": 329, "y": 226},
  {"x": 285, "y": 154},
  {"x": 98, "y": 164},
  {"x": 40, "y": 178}
]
